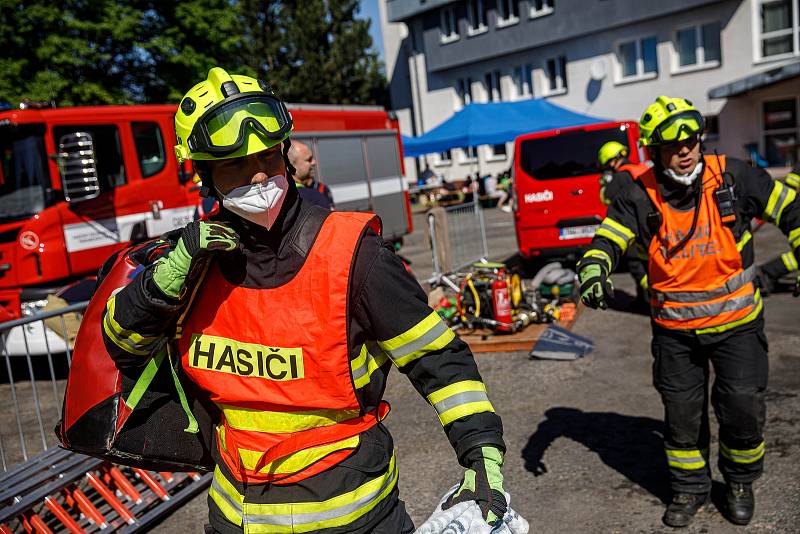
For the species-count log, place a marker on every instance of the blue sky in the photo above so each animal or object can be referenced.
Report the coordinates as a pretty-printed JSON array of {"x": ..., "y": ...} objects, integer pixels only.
[{"x": 369, "y": 10}]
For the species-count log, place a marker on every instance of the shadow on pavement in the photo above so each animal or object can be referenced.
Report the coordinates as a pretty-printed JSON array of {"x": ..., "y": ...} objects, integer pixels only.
[{"x": 631, "y": 445}]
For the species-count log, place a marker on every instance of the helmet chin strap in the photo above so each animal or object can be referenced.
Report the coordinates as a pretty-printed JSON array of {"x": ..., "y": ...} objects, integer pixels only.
[{"x": 685, "y": 179}]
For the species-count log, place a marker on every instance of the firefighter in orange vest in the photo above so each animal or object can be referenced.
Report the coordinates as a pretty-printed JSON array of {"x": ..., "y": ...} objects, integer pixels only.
[
  {"x": 292, "y": 333},
  {"x": 692, "y": 212}
]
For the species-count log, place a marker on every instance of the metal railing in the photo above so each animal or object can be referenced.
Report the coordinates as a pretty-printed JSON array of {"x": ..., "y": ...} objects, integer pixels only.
[
  {"x": 30, "y": 347},
  {"x": 457, "y": 236}
]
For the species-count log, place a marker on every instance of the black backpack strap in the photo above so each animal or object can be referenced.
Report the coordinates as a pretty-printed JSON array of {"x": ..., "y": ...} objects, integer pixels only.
[{"x": 307, "y": 229}]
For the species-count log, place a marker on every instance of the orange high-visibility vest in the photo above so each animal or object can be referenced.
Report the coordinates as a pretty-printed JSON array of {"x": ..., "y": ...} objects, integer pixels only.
[
  {"x": 703, "y": 285},
  {"x": 276, "y": 363},
  {"x": 634, "y": 169}
]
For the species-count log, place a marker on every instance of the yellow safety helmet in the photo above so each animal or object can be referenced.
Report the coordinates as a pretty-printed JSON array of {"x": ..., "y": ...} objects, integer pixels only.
[
  {"x": 610, "y": 151},
  {"x": 669, "y": 120},
  {"x": 229, "y": 116}
]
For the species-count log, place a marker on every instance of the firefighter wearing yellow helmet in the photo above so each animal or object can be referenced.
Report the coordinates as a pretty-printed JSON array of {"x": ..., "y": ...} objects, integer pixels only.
[
  {"x": 691, "y": 212},
  {"x": 292, "y": 332}
]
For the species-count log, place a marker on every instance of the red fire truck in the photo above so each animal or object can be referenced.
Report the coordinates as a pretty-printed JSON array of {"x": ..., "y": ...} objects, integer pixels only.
[
  {"x": 77, "y": 184},
  {"x": 557, "y": 205}
]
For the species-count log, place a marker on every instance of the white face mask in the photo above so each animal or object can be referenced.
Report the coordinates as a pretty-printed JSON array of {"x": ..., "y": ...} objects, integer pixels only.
[
  {"x": 685, "y": 179},
  {"x": 259, "y": 203}
]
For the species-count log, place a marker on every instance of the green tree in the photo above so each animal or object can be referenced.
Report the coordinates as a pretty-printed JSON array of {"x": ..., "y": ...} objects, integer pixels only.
[{"x": 77, "y": 52}]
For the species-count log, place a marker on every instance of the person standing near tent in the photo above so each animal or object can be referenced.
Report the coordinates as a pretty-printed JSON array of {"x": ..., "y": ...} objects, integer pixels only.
[
  {"x": 615, "y": 178},
  {"x": 292, "y": 333},
  {"x": 692, "y": 213}
]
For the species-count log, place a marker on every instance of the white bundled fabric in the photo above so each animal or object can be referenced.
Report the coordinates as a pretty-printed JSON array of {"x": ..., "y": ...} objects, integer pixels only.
[{"x": 466, "y": 518}]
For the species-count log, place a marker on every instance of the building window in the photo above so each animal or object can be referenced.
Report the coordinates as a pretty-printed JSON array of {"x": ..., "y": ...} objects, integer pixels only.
[
  {"x": 711, "y": 130},
  {"x": 492, "y": 82},
  {"x": 637, "y": 59},
  {"x": 469, "y": 155},
  {"x": 697, "y": 47},
  {"x": 781, "y": 131},
  {"x": 540, "y": 8},
  {"x": 507, "y": 12},
  {"x": 778, "y": 28},
  {"x": 444, "y": 158},
  {"x": 522, "y": 81},
  {"x": 464, "y": 91},
  {"x": 447, "y": 25},
  {"x": 476, "y": 15},
  {"x": 497, "y": 152},
  {"x": 556, "y": 73}
]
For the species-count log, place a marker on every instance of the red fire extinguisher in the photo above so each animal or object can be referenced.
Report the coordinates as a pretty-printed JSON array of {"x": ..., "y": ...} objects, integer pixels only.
[{"x": 502, "y": 303}]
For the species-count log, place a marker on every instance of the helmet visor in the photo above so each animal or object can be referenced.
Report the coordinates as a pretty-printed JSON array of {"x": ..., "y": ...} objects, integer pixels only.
[
  {"x": 223, "y": 128},
  {"x": 678, "y": 127}
]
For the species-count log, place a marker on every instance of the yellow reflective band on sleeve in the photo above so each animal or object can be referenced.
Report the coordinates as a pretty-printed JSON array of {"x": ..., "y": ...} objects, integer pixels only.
[
  {"x": 780, "y": 197},
  {"x": 683, "y": 459},
  {"x": 368, "y": 361},
  {"x": 600, "y": 254},
  {"x": 794, "y": 238},
  {"x": 282, "y": 422},
  {"x": 746, "y": 237},
  {"x": 789, "y": 261},
  {"x": 644, "y": 283},
  {"x": 793, "y": 180},
  {"x": 742, "y": 456},
  {"x": 733, "y": 324},
  {"x": 311, "y": 516},
  {"x": 428, "y": 335},
  {"x": 459, "y": 400},
  {"x": 296, "y": 462},
  {"x": 619, "y": 234},
  {"x": 127, "y": 340}
]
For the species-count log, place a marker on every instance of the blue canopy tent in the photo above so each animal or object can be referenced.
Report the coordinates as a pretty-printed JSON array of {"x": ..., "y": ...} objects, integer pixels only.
[{"x": 494, "y": 123}]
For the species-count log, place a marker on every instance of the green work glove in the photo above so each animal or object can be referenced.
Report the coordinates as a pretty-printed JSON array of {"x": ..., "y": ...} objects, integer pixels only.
[
  {"x": 482, "y": 483},
  {"x": 596, "y": 286},
  {"x": 198, "y": 239}
]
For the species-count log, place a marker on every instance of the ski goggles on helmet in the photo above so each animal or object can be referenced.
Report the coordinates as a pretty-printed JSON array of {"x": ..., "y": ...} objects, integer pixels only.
[
  {"x": 223, "y": 128},
  {"x": 678, "y": 127}
]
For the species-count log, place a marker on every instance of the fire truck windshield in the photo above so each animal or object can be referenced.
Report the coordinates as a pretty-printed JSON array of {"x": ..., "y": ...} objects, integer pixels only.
[{"x": 23, "y": 171}]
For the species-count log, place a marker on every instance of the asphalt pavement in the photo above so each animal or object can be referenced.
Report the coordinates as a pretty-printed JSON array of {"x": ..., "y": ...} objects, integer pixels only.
[{"x": 584, "y": 437}]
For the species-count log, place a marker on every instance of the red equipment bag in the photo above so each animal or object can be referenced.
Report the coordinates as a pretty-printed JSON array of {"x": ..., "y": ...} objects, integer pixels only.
[{"x": 134, "y": 416}]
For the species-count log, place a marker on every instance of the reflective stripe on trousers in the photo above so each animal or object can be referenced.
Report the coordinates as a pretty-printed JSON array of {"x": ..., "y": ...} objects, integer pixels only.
[
  {"x": 301, "y": 517},
  {"x": 742, "y": 456},
  {"x": 686, "y": 459}
]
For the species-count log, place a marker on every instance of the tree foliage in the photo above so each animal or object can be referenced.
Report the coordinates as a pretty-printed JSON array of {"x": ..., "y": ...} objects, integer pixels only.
[{"x": 78, "y": 52}]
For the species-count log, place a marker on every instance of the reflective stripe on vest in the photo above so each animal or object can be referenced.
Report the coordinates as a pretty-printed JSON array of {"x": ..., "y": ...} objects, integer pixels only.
[
  {"x": 305, "y": 516},
  {"x": 731, "y": 286},
  {"x": 703, "y": 287},
  {"x": 284, "y": 386}
]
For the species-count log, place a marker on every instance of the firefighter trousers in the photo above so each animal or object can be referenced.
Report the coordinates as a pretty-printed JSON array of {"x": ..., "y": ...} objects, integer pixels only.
[{"x": 681, "y": 375}]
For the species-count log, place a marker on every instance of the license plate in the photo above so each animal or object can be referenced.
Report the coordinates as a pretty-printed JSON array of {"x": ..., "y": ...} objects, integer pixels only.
[{"x": 578, "y": 232}]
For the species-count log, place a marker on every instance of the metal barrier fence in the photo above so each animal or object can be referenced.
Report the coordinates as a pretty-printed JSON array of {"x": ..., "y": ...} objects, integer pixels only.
[
  {"x": 457, "y": 236},
  {"x": 32, "y": 346},
  {"x": 44, "y": 488}
]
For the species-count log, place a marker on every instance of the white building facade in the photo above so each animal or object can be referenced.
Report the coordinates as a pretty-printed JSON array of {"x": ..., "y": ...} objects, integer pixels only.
[{"x": 605, "y": 58}]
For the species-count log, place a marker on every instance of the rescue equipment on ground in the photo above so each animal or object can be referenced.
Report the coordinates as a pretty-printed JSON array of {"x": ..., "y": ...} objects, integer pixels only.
[
  {"x": 148, "y": 417},
  {"x": 466, "y": 518},
  {"x": 490, "y": 296},
  {"x": 560, "y": 344}
]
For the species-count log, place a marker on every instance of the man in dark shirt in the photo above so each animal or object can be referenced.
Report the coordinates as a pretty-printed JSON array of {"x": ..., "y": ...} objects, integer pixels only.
[{"x": 302, "y": 158}]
